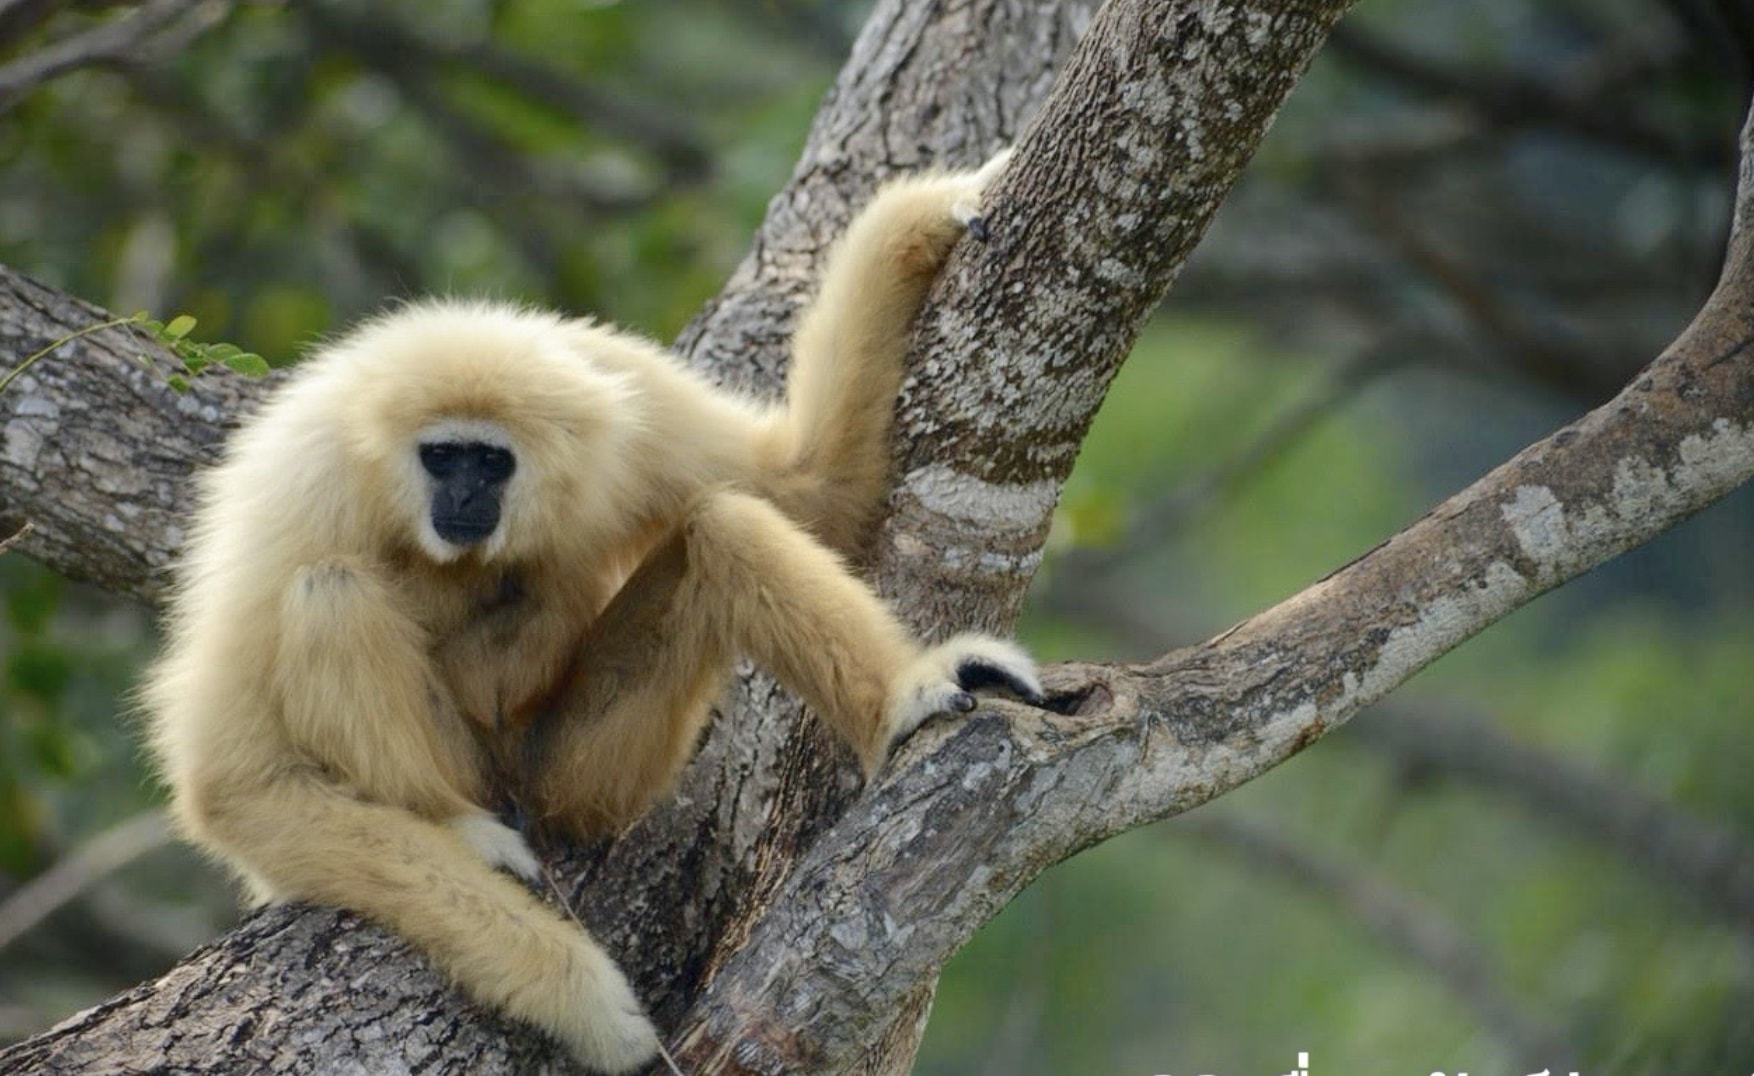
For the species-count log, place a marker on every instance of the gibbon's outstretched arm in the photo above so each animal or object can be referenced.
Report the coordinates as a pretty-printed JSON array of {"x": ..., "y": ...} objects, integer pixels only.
[
  {"x": 737, "y": 578},
  {"x": 824, "y": 456},
  {"x": 470, "y": 550}
]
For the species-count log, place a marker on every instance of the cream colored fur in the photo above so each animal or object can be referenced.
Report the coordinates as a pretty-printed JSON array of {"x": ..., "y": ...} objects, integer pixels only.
[
  {"x": 927, "y": 685},
  {"x": 343, "y": 694}
]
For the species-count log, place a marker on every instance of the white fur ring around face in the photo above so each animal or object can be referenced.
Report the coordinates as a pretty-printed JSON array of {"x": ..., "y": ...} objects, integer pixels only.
[{"x": 942, "y": 680}]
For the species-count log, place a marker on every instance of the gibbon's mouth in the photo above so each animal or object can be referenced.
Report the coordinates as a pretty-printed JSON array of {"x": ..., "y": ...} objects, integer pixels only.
[{"x": 463, "y": 532}]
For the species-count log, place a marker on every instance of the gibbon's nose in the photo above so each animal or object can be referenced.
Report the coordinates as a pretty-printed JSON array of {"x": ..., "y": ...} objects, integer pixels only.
[{"x": 465, "y": 509}]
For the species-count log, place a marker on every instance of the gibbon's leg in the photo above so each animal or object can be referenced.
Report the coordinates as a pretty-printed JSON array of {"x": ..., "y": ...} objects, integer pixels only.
[
  {"x": 847, "y": 356},
  {"x": 739, "y": 578},
  {"x": 309, "y": 840},
  {"x": 383, "y": 820}
]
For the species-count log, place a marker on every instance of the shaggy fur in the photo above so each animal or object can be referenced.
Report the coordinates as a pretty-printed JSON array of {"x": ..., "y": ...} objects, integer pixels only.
[{"x": 344, "y": 692}]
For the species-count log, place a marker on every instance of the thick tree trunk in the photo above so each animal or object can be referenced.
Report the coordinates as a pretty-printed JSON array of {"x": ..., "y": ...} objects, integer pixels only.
[{"x": 774, "y": 918}]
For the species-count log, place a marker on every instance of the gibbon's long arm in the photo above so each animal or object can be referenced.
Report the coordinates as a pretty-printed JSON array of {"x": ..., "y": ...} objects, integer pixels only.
[
  {"x": 738, "y": 578},
  {"x": 824, "y": 456},
  {"x": 829, "y": 467}
]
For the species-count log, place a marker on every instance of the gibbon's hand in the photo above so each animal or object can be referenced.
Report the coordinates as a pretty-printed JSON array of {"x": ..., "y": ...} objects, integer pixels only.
[
  {"x": 943, "y": 679},
  {"x": 501, "y": 846},
  {"x": 967, "y": 209},
  {"x": 615, "y": 1036}
]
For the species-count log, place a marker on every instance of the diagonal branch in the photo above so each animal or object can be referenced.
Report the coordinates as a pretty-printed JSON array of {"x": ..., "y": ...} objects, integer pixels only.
[
  {"x": 1025, "y": 333},
  {"x": 1710, "y": 864},
  {"x": 1398, "y": 920},
  {"x": 973, "y": 812},
  {"x": 153, "y": 28},
  {"x": 1516, "y": 100}
]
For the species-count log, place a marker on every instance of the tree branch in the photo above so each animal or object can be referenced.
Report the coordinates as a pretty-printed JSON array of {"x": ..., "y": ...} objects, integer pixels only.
[
  {"x": 974, "y": 811},
  {"x": 1399, "y": 921},
  {"x": 1706, "y": 863},
  {"x": 1516, "y": 100},
  {"x": 825, "y": 967},
  {"x": 154, "y": 26},
  {"x": 79, "y": 870},
  {"x": 98, "y": 450}
]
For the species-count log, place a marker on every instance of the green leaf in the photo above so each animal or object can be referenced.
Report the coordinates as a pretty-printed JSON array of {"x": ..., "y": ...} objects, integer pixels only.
[
  {"x": 195, "y": 361},
  {"x": 179, "y": 327},
  {"x": 178, "y": 383},
  {"x": 247, "y": 364}
]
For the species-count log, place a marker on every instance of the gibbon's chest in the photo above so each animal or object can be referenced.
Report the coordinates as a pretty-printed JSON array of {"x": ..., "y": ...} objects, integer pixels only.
[{"x": 501, "y": 643}]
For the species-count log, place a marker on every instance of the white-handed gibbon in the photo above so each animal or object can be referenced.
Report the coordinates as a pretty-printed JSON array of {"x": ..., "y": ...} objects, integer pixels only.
[{"x": 471, "y": 551}]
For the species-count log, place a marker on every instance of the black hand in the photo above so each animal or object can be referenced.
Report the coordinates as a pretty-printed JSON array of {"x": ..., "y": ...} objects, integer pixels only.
[{"x": 976, "y": 675}]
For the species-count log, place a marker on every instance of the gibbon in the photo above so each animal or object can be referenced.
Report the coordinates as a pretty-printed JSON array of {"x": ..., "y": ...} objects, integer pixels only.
[{"x": 471, "y": 551}]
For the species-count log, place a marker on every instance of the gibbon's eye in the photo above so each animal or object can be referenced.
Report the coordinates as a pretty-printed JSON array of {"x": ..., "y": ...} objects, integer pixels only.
[
  {"x": 497, "y": 464},
  {"x": 440, "y": 459}
]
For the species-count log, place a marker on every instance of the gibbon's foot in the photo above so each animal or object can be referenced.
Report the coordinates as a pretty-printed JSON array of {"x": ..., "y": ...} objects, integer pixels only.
[
  {"x": 610, "y": 1032},
  {"x": 967, "y": 207},
  {"x": 500, "y": 845},
  {"x": 943, "y": 679}
]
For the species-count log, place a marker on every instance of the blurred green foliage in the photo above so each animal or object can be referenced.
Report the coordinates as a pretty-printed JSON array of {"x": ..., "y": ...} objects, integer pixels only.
[
  {"x": 1162, "y": 952},
  {"x": 302, "y": 165}
]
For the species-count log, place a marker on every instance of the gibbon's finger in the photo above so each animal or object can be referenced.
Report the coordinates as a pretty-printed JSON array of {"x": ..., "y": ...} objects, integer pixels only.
[
  {"x": 940, "y": 680},
  {"x": 980, "y": 675},
  {"x": 967, "y": 209}
]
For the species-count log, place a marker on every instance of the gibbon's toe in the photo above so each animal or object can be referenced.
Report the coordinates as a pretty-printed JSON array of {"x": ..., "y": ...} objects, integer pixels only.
[
  {"x": 967, "y": 208},
  {"x": 500, "y": 845},
  {"x": 942, "y": 680}
]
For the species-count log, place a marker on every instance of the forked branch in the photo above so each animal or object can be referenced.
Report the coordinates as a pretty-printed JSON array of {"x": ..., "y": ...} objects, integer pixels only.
[{"x": 976, "y": 810}]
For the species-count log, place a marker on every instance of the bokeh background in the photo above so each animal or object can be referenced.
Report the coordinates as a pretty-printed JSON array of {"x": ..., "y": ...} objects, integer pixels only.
[{"x": 1472, "y": 222}]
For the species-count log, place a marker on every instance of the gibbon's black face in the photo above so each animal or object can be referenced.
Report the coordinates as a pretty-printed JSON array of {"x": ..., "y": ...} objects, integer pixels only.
[{"x": 468, "y": 480}]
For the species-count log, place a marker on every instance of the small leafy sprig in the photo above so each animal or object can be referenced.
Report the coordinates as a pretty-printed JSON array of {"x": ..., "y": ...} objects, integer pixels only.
[
  {"x": 174, "y": 335},
  {"x": 197, "y": 356}
]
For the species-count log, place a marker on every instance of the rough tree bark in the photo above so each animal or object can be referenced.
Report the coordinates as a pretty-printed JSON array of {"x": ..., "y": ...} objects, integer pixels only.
[{"x": 775, "y": 919}]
